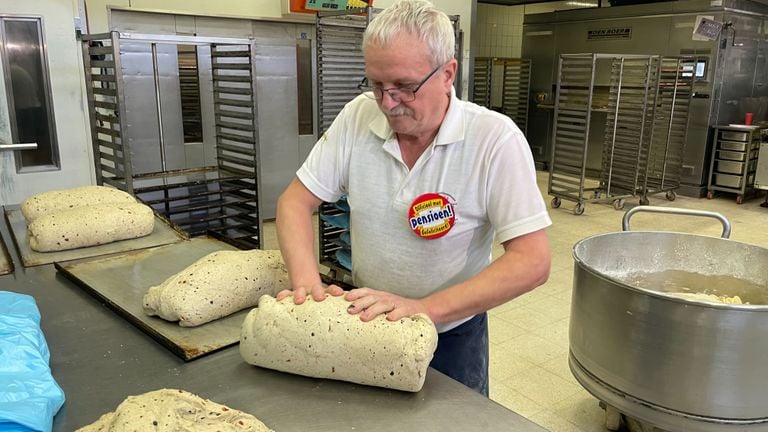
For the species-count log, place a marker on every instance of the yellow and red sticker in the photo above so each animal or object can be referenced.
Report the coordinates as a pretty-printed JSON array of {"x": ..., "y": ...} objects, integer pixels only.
[{"x": 431, "y": 216}]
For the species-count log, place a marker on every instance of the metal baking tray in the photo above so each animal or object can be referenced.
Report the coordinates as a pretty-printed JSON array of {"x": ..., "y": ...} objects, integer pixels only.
[
  {"x": 122, "y": 280},
  {"x": 734, "y": 136},
  {"x": 728, "y": 180},
  {"x": 163, "y": 233},
  {"x": 729, "y": 167},
  {"x": 731, "y": 155},
  {"x": 732, "y": 145}
]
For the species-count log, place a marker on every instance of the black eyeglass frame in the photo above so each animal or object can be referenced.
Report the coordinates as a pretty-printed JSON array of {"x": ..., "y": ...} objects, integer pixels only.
[{"x": 378, "y": 92}]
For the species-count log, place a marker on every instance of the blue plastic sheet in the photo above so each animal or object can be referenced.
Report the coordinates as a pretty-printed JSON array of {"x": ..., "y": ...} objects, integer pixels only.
[
  {"x": 344, "y": 256},
  {"x": 29, "y": 396},
  {"x": 339, "y": 220}
]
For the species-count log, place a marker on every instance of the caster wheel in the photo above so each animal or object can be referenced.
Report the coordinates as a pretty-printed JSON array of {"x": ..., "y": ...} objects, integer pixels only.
[
  {"x": 555, "y": 202},
  {"x": 671, "y": 195},
  {"x": 739, "y": 199},
  {"x": 644, "y": 201},
  {"x": 579, "y": 209},
  {"x": 710, "y": 195},
  {"x": 618, "y": 204},
  {"x": 596, "y": 195},
  {"x": 612, "y": 418}
]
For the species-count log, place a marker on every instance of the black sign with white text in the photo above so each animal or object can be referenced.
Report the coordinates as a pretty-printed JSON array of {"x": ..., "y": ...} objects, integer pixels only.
[{"x": 610, "y": 33}]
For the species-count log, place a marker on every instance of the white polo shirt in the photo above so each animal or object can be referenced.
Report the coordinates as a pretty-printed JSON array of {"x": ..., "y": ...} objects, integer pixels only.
[{"x": 479, "y": 160}]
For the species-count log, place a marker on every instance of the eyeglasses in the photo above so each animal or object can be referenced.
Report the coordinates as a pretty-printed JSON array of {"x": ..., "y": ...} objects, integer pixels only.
[{"x": 398, "y": 94}]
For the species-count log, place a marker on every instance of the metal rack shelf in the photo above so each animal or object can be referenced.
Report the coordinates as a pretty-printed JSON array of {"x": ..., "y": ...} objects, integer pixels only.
[
  {"x": 512, "y": 77},
  {"x": 222, "y": 198},
  {"x": 647, "y": 109}
]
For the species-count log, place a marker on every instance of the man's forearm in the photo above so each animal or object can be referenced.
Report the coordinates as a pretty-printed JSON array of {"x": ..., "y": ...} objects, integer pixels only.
[
  {"x": 295, "y": 233},
  {"x": 522, "y": 268}
]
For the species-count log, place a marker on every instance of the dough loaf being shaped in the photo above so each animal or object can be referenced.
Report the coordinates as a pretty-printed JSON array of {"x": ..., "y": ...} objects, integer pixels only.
[
  {"x": 67, "y": 199},
  {"x": 90, "y": 226},
  {"x": 323, "y": 340},
  {"x": 170, "y": 410},
  {"x": 216, "y": 285}
]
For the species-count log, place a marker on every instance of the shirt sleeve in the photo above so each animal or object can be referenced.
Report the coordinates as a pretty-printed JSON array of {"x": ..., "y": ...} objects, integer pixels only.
[
  {"x": 515, "y": 204},
  {"x": 324, "y": 172}
]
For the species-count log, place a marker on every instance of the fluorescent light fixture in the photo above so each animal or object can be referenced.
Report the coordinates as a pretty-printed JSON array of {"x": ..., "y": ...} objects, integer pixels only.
[{"x": 581, "y": 3}]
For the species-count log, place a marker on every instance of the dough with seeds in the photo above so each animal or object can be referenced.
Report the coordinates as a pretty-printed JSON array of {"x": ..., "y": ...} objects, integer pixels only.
[
  {"x": 170, "y": 410},
  {"x": 68, "y": 199},
  {"x": 90, "y": 226},
  {"x": 216, "y": 285},
  {"x": 323, "y": 340}
]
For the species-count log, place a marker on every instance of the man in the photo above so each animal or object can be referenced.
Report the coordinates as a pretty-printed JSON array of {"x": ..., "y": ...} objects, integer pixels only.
[{"x": 430, "y": 180}]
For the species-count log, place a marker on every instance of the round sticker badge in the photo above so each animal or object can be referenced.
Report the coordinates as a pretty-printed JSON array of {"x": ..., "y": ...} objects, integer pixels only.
[{"x": 431, "y": 216}]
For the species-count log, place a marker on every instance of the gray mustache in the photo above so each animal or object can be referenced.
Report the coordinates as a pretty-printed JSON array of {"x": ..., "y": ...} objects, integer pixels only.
[{"x": 399, "y": 111}]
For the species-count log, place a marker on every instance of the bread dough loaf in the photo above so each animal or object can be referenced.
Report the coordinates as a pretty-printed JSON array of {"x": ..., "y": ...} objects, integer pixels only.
[
  {"x": 170, "y": 410},
  {"x": 709, "y": 297},
  {"x": 217, "y": 285},
  {"x": 67, "y": 199},
  {"x": 323, "y": 340},
  {"x": 90, "y": 226}
]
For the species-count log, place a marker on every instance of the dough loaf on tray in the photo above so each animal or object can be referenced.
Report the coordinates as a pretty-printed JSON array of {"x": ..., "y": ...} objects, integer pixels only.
[
  {"x": 68, "y": 199},
  {"x": 90, "y": 226},
  {"x": 170, "y": 410},
  {"x": 217, "y": 285},
  {"x": 323, "y": 340}
]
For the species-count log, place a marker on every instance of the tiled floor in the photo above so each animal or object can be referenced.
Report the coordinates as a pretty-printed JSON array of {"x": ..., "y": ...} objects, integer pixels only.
[{"x": 529, "y": 335}]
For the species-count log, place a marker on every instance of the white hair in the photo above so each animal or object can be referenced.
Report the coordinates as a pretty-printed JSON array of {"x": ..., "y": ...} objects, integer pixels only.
[{"x": 419, "y": 18}]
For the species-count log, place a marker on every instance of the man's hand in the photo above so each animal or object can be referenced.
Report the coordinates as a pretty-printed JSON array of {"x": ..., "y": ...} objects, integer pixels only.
[
  {"x": 370, "y": 303},
  {"x": 317, "y": 291}
]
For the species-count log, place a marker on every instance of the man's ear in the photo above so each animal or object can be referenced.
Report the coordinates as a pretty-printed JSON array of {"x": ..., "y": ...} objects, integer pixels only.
[{"x": 448, "y": 73}]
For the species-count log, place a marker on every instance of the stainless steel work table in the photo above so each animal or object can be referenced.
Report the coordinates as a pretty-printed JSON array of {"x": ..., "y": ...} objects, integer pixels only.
[{"x": 99, "y": 359}]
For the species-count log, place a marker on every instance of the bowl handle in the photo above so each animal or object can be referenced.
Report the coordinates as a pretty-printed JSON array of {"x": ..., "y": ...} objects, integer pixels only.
[{"x": 703, "y": 213}]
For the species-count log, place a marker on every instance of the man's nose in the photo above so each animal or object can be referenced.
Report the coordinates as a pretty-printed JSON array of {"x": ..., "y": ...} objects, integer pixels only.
[{"x": 387, "y": 101}]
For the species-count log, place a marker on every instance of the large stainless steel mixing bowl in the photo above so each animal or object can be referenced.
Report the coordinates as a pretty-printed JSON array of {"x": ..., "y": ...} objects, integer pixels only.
[{"x": 655, "y": 351}]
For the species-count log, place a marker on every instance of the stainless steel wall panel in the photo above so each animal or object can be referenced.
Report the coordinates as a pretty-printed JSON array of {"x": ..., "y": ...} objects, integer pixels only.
[{"x": 278, "y": 118}]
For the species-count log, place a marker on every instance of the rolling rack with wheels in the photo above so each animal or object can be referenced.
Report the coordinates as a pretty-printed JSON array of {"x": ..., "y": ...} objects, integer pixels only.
[
  {"x": 734, "y": 160},
  {"x": 663, "y": 167},
  {"x": 626, "y": 120},
  {"x": 647, "y": 108}
]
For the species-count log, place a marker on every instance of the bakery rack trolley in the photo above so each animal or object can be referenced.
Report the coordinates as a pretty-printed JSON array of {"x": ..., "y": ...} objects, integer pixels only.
[
  {"x": 220, "y": 198},
  {"x": 628, "y": 127},
  {"x": 504, "y": 84},
  {"x": 570, "y": 142},
  {"x": 663, "y": 164},
  {"x": 340, "y": 68},
  {"x": 627, "y": 103}
]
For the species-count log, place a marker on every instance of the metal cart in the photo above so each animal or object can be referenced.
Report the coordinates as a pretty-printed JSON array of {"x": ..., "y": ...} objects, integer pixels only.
[
  {"x": 663, "y": 165},
  {"x": 629, "y": 124},
  {"x": 504, "y": 83},
  {"x": 734, "y": 160},
  {"x": 222, "y": 198},
  {"x": 646, "y": 105},
  {"x": 626, "y": 107},
  {"x": 340, "y": 67}
]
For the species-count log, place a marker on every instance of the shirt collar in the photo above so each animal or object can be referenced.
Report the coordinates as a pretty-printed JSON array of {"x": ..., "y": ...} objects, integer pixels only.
[{"x": 451, "y": 130}]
